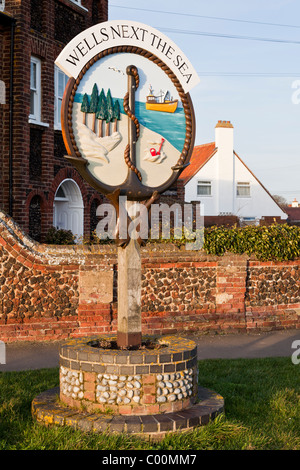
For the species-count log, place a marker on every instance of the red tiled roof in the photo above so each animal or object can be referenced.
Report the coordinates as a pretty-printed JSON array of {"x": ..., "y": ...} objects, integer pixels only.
[{"x": 201, "y": 154}]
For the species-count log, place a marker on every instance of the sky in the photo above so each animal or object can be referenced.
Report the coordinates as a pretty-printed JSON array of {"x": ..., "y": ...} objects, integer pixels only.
[{"x": 247, "y": 55}]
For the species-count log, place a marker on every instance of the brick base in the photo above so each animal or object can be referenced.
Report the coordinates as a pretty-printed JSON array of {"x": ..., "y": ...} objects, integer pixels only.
[
  {"x": 47, "y": 410},
  {"x": 136, "y": 382}
]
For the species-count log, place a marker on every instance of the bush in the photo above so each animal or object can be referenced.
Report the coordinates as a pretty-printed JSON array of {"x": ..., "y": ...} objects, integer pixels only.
[
  {"x": 267, "y": 243},
  {"x": 278, "y": 242},
  {"x": 60, "y": 237}
]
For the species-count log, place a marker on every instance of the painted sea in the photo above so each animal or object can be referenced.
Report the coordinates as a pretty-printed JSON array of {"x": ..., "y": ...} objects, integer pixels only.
[{"x": 173, "y": 124}]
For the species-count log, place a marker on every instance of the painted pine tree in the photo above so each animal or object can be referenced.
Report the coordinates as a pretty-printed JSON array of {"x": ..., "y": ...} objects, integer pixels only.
[
  {"x": 116, "y": 115},
  {"x": 93, "y": 105},
  {"x": 85, "y": 107},
  {"x": 110, "y": 111},
  {"x": 101, "y": 112}
]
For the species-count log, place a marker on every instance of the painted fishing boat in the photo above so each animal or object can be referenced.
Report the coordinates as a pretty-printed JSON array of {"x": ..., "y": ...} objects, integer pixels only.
[{"x": 161, "y": 103}]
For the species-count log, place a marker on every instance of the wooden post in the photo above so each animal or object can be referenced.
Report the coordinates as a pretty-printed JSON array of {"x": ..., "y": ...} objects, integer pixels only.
[{"x": 129, "y": 334}]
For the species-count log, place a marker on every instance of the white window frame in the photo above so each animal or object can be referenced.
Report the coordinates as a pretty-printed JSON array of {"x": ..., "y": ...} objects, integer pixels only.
[
  {"x": 243, "y": 185},
  {"x": 2, "y": 92},
  {"x": 78, "y": 3},
  {"x": 204, "y": 184},
  {"x": 36, "y": 117},
  {"x": 36, "y": 89},
  {"x": 2, "y": 5},
  {"x": 57, "y": 96}
]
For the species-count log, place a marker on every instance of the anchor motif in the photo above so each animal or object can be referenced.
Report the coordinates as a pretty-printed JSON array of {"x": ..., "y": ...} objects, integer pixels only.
[{"x": 132, "y": 186}]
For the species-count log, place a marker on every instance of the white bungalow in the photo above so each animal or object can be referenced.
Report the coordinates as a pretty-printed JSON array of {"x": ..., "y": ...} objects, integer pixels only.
[{"x": 219, "y": 179}]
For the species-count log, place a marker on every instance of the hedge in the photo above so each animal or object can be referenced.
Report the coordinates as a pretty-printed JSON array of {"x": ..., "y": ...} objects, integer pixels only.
[
  {"x": 267, "y": 243},
  {"x": 277, "y": 242}
]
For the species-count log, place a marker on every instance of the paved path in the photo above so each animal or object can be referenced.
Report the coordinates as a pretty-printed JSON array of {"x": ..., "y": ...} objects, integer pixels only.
[
  {"x": 39, "y": 355},
  {"x": 271, "y": 344}
]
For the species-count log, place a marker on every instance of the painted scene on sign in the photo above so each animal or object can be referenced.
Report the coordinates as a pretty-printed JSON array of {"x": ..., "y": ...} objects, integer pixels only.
[{"x": 100, "y": 123}]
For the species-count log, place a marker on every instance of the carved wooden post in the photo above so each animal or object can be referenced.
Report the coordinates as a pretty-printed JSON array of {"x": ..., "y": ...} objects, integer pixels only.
[
  {"x": 129, "y": 333},
  {"x": 129, "y": 295}
]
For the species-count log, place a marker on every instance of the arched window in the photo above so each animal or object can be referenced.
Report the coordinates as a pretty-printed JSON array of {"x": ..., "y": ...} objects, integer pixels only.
[{"x": 68, "y": 208}]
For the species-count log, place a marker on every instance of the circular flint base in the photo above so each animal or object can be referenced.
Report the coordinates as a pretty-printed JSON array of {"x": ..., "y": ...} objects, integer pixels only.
[
  {"x": 160, "y": 377},
  {"x": 47, "y": 409}
]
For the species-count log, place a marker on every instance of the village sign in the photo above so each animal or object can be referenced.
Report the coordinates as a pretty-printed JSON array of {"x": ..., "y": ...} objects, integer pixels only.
[{"x": 127, "y": 116}]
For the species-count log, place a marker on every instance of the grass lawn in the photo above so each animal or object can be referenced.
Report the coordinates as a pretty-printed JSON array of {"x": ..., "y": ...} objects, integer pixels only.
[{"x": 262, "y": 411}]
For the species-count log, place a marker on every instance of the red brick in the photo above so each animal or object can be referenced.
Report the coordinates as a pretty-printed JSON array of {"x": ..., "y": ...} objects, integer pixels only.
[
  {"x": 147, "y": 399},
  {"x": 89, "y": 395},
  {"x": 152, "y": 409},
  {"x": 125, "y": 410}
]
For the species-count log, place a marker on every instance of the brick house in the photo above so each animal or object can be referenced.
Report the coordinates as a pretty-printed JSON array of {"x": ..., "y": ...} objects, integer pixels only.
[{"x": 38, "y": 188}]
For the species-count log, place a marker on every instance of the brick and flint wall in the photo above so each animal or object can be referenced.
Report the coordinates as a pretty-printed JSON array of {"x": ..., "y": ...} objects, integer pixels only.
[{"x": 50, "y": 293}]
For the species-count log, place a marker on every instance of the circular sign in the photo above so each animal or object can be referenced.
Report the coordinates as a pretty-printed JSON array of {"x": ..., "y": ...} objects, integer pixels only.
[{"x": 127, "y": 122}]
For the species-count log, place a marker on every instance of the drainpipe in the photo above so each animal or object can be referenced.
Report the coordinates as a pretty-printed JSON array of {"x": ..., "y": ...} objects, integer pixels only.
[
  {"x": 9, "y": 20},
  {"x": 11, "y": 116}
]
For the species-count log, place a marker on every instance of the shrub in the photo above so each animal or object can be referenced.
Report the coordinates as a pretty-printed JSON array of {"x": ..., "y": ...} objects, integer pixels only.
[
  {"x": 274, "y": 242},
  {"x": 59, "y": 237},
  {"x": 277, "y": 242}
]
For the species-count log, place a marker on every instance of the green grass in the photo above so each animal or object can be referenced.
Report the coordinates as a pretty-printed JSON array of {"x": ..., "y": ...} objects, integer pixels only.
[{"x": 262, "y": 412}]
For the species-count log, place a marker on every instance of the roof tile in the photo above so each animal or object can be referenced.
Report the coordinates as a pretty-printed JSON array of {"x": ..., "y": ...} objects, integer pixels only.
[{"x": 201, "y": 154}]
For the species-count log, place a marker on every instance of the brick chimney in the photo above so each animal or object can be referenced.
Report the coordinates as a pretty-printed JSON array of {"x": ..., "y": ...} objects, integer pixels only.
[{"x": 224, "y": 143}]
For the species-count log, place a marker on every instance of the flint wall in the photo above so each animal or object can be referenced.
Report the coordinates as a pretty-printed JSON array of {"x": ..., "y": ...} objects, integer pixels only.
[{"x": 56, "y": 292}]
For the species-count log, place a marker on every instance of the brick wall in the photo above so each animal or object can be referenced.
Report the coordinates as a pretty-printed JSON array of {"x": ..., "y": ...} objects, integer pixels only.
[
  {"x": 221, "y": 220},
  {"x": 49, "y": 293}
]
